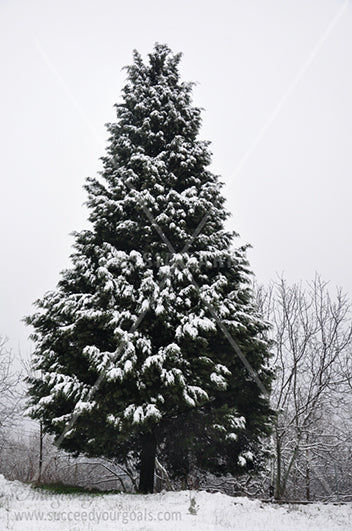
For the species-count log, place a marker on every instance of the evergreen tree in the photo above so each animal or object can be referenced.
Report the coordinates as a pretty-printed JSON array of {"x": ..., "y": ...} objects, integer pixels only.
[{"x": 130, "y": 356}]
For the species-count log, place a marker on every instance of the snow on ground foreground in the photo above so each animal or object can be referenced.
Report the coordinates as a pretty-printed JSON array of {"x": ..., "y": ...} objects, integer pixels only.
[{"x": 22, "y": 507}]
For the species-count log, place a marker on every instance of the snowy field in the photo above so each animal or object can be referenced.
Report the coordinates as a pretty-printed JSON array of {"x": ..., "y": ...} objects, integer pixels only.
[{"x": 24, "y": 508}]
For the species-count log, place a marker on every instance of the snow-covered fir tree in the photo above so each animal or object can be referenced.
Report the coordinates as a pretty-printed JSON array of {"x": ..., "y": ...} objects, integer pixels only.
[{"x": 130, "y": 356}]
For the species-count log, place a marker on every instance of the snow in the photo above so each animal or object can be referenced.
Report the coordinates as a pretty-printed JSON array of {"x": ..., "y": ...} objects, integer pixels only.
[
  {"x": 189, "y": 400},
  {"x": 24, "y": 508},
  {"x": 128, "y": 366},
  {"x": 114, "y": 374},
  {"x": 138, "y": 415},
  {"x": 218, "y": 380},
  {"x": 241, "y": 460},
  {"x": 190, "y": 330},
  {"x": 152, "y": 411},
  {"x": 82, "y": 406}
]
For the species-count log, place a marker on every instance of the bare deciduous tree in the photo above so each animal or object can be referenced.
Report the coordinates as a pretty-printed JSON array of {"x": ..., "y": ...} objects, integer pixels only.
[
  {"x": 10, "y": 395},
  {"x": 311, "y": 336}
]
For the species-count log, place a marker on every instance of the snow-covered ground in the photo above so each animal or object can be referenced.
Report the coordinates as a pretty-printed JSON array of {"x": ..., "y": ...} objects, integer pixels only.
[{"x": 24, "y": 508}]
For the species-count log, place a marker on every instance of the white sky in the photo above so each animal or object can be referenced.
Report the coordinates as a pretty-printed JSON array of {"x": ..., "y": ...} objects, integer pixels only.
[{"x": 274, "y": 79}]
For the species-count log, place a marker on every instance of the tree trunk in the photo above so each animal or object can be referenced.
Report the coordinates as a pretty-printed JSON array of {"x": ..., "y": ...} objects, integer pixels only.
[
  {"x": 307, "y": 470},
  {"x": 278, "y": 469},
  {"x": 40, "y": 453},
  {"x": 147, "y": 467},
  {"x": 307, "y": 483}
]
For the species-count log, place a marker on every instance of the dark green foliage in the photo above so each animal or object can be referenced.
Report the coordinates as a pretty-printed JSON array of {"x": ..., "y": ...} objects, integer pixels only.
[{"x": 135, "y": 311}]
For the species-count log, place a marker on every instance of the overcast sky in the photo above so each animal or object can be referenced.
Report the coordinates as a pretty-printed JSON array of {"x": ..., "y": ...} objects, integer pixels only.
[{"x": 275, "y": 81}]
